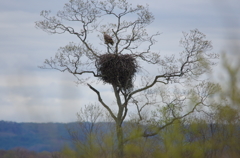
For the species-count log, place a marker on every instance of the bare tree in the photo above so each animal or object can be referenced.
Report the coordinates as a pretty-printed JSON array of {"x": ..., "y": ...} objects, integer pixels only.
[
  {"x": 88, "y": 128},
  {"x": 117, "y": 64}
]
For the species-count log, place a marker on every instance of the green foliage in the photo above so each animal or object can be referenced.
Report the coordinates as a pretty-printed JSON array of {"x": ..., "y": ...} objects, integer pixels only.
[{"x": 24, "y": 153}]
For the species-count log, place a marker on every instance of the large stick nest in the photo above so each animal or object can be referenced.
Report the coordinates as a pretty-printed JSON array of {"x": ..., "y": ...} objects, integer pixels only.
[{"x": 118, "y": 70}]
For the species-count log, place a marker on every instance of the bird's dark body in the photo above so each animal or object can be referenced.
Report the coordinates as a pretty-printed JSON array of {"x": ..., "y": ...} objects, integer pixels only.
[{"x": 108, "y": 39}]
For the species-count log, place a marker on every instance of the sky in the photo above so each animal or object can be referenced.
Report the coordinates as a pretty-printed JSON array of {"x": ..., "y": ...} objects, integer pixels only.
[{"x": 31, "y": 94}]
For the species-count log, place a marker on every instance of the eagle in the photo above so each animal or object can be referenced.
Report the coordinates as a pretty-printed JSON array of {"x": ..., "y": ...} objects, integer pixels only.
[{"x": 108, "y": 39}]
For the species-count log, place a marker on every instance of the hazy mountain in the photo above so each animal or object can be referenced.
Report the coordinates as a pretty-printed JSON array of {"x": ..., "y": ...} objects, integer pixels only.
[{"x": 34, "y": 136}]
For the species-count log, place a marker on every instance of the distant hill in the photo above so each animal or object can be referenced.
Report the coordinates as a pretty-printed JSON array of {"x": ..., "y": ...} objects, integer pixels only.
[{"x": 34, "y": 136}]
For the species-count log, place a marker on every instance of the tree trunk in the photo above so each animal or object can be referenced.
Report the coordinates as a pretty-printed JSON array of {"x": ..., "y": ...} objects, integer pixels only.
[
  {"x": 118, "y": 121},
  {"x": 120, "y": 146}
]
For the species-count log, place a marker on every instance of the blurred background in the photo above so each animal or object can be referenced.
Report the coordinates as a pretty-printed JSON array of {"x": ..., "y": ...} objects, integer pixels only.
[{"x": 31, "y": 94}]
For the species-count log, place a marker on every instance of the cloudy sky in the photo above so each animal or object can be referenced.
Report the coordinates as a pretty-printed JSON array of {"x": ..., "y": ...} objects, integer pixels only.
[{"x": 31, "y": 94}]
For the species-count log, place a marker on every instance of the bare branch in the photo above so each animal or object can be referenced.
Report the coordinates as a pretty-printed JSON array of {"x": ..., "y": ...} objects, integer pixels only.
[{"x": 101, "y": 101}]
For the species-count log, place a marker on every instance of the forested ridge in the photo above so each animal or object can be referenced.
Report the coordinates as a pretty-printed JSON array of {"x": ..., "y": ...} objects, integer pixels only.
[{"x": 34, "y": 136}]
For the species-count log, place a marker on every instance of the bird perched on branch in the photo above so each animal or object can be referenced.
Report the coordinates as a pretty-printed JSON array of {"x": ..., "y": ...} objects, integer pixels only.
[{"x": 108, "y": 39}]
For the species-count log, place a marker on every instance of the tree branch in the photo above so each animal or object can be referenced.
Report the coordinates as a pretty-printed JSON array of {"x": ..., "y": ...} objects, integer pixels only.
[{"x": 101, "y": 101}]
